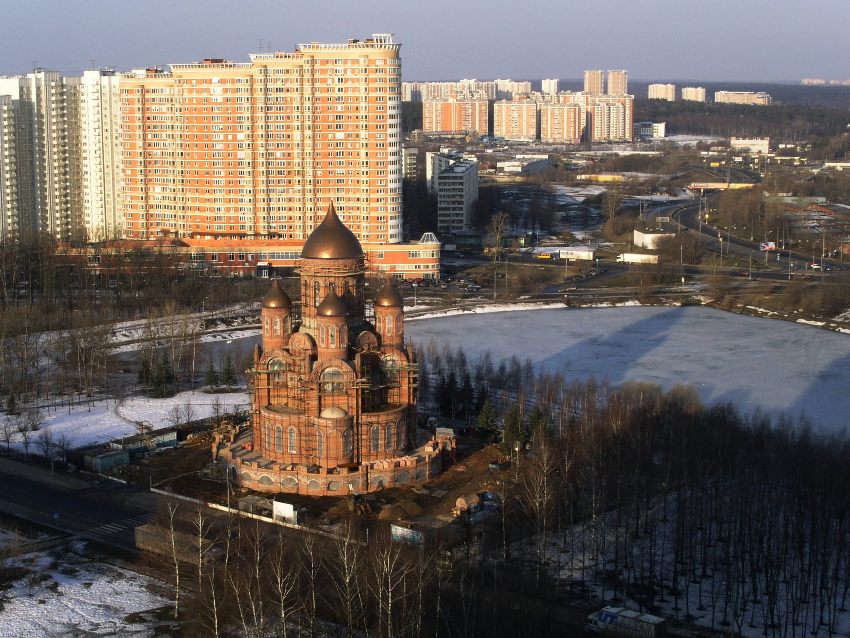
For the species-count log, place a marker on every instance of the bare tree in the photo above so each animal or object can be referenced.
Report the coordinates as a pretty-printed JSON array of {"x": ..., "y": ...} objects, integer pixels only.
[
  {"x": 23, "y": 428},
  {"x": 497, "y": 227},
  {"x": 8, "y": 427},
  {"x": 347, "y": 568},
  {"x": 46, "y": 444}
]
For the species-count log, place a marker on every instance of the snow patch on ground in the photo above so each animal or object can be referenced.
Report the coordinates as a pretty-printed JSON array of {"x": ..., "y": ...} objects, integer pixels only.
[
  {"x": 76, "y": 597},
  {"x": 104, "y": 421}
]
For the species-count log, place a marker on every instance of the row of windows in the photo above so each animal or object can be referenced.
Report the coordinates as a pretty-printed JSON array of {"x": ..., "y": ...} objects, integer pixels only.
[{"x": 393, "y": 438}]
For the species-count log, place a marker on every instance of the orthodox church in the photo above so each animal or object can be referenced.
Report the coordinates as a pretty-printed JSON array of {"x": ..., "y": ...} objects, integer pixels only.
[{"x": 333, "y": 387}]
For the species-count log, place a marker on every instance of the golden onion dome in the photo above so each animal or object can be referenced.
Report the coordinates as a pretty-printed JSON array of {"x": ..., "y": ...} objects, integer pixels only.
[
  {"x": 276, "y": 296},
  {"x": 332, "y": 306},
  {"x": 389, "y": 296},
  {"x": 332, "y": 240}
]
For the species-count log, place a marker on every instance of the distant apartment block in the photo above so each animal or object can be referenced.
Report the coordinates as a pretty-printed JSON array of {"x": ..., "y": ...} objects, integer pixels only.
[
  {"x": 466, "y": 112},
  {"x": 751, "y": 98},
  {"x": 410, "y": 162},
  {"x": 515, "y": 120},
  {"x": 618, "y": 83},
  {"x": 662, "y": 92},
  {"x": 507, "y": 89},
  {"x": 610, "y": 119},
  {"x": 561, "y": 123},
  {"x": 649, "y": 130},
  {"x": 693, "y": 93},
  {"x": 550, "y": 86},
  {"x": 594, "y": 82},
  {"x": 457, "y": 190},
  {"x": 420, "y": 91}
]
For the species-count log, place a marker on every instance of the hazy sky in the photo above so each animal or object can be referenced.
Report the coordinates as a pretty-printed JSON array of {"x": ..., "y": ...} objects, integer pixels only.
[{"x": 747, "y": 40}]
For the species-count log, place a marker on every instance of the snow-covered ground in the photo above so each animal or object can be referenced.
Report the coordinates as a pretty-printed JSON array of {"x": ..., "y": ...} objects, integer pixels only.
[
  {"x": 104, "y": 421},
  {"x": 76, "y": 597},
  {"x": 777, "y": 366}
]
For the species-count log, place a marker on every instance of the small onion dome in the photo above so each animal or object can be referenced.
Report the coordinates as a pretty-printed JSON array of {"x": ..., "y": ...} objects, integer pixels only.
[
  {"x": 332, "y": 240},
  {"x": 333, "y": 412},
  {"x": 276, "y": 297},
  {"x": 332, "y": 306},
  {"x": 389, "y": 296}
]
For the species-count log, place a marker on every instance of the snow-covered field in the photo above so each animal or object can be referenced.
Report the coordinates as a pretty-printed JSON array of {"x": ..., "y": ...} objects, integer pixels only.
[
  {"x": 77, "y": 597},
  {"x": 105, "y": 421},
  {"x": 777, "y": 366}
]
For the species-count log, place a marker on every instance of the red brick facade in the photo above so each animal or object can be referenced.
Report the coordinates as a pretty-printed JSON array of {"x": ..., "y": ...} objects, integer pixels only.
[{"x": 333, "y": 397}]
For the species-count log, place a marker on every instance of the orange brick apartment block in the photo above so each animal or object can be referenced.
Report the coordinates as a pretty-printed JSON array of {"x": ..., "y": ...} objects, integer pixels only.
[{"x": 253, "y": 153}]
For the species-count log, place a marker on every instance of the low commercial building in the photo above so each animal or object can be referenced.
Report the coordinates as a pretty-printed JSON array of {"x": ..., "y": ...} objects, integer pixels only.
[
  {"x": 753, "y": 145},
  {"x": 649, "y": 239},
  {"x": 650, "y": 130}
]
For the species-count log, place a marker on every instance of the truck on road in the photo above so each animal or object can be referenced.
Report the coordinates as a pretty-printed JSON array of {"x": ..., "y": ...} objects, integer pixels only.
[
  {"x": 637, "y": 258},
  {"x": 625, "y": 622}
]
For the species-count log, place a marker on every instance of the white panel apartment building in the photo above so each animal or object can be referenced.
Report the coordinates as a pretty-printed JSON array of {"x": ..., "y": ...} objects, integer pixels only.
[
  {"x": 8, "y": 170},
  {"x": 662, "y": 92},
  {"x": 44, "y": 179},
  {"x": 550, "y": 86},
  {"x": 693, "y": 93},
  {"x": 100, "y": 152}
]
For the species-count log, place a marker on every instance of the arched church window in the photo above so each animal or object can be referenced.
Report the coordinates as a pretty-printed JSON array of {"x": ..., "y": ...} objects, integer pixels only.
[
  {"x": 331, "y": 286},
  {"x": 278, "y": 439},
  {"x": 332, "y": 337},
  {"x": 331, "y": 381},
  {"x": 317, "y": 289},
  {"x": 347, "y": 443},
  {"x": 388, "y": 437},
  {"x": 347, "y": 287},
  {"x": 267, "y": 326},
  {"x": 292, "y": 441},
  {"x": 388, "y": 326},
  {"x": 277, "y": 326},
  {"x": 398, "y": 324},
  {"x": 376, "y": 438}
]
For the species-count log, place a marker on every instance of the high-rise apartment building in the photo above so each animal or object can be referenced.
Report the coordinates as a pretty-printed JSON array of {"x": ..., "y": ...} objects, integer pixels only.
[
  {"x": 466, "y": 112},
  {"x": 45, "y": 196},
  {"x": 515, "y": 120},
  {"x": 610, "y": 119},
  {"x": 662, "y": 92},
  {"x": 550, "y": 86},
  {"x": 594, "y": 82},
  {"x": 230, "y": 156},
  {"x": 100, "y": 154},
  {"x": 693, "y": 93},
  {"x": 561, "y": 123},
  {"x": 618, "y": 82},
  {"x": 743, "y": 97},
  {"x": 8, "y": 170}
]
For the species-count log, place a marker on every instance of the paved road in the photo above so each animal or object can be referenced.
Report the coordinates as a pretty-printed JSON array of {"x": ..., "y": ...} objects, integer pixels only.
[{"x": 95, "y": 511}]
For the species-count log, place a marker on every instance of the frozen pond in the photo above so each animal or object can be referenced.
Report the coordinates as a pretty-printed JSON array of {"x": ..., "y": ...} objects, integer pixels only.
[{"x": 751, "y": 362}]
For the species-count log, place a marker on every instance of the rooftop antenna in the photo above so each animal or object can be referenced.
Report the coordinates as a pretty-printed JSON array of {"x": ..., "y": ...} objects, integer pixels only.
[
  {"x": 261, "y": 44},
  {"x": 93, "y": 67}
]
